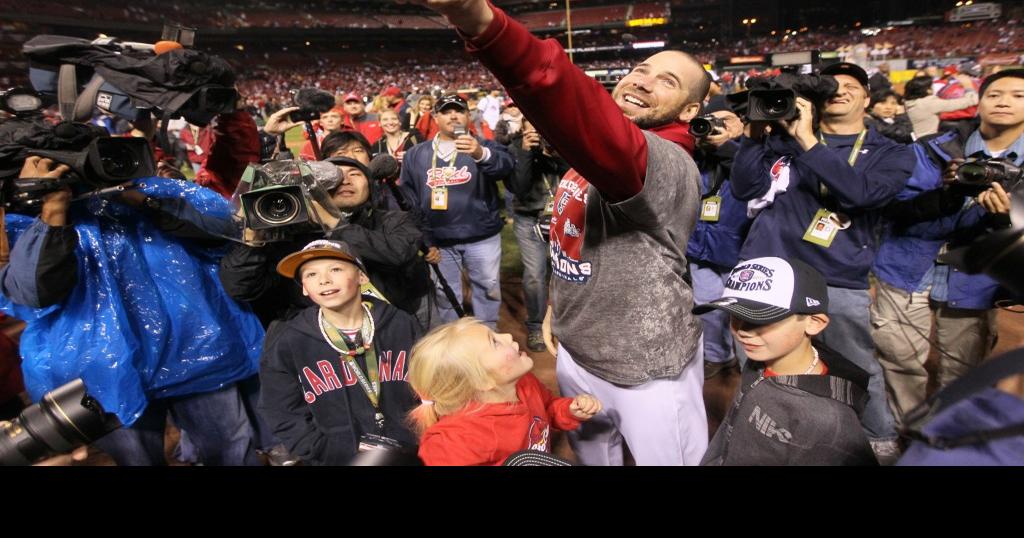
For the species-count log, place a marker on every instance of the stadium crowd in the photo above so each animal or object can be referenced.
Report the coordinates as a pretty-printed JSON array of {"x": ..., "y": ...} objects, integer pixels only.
[{"x": 801, "y": 248}]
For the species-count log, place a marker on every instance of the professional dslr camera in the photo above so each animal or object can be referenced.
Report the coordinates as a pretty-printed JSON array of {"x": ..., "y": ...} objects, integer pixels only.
[
  {"x": 62, "y": 420},
  {"x": 706, "y": 125},
  {"x": 277, "y": 200},
  {"x": 774, "y": 99},
  {"x": 978, "y": 174}
]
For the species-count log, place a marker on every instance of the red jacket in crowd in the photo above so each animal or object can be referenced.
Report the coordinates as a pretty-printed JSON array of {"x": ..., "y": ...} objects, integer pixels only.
[
  {"x": 235, "y": 143},
  {"x": 198, "y": 151},
  {"x": 487, "y": 434}
]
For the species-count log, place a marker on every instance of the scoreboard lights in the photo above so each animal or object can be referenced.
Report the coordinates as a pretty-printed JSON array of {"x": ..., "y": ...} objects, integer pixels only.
[{"x": 649, "y": 21}]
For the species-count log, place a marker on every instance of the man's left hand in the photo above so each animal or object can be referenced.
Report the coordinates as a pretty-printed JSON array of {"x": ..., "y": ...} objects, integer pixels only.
[
  {"x": 995, "y": 200},
  {"x": 468, "y": 144},
  {"x": 733, "y": 129}
]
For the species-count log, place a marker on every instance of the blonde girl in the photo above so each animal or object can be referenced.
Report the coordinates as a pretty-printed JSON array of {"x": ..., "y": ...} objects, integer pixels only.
[{"x": 480, "y": 401}]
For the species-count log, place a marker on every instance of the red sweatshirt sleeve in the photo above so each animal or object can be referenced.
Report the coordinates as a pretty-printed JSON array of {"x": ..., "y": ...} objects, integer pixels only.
[
  {"x": 572, "y": 111},
  {"x": 236, "y": 143},
  {"x": 557, "y": 408}
]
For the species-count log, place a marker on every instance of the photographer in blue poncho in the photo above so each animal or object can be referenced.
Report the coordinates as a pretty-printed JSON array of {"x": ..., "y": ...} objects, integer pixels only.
[{"x": 119, "y": 287}]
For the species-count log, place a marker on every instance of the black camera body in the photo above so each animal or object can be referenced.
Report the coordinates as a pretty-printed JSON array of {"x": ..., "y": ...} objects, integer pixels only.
[
  {"x": 311, "y": 102},
  {"x": 706, "y": 125},
  {"x": 62, "y": 420},
  {"x": 97, "y": 161},
  {"x": 979, "y": 174},
  {"x": 775, "y": 99}
]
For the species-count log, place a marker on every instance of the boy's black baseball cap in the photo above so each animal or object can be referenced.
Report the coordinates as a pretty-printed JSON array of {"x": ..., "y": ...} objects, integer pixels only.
[{"x": 766, "y": 290}]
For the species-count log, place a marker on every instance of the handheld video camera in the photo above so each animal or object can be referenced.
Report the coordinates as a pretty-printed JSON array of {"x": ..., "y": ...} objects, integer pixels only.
[
  {"x": 775, "y": 99},
  {"x": 706, "y": 125},
  {"x": 277, "y": 200},
  {"x": 62, "y": 420},
  {"x": 97, "y": 161}
]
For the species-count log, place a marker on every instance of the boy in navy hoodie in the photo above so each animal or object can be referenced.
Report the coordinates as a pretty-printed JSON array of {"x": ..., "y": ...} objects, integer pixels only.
[{"x": 333, "y": 377}]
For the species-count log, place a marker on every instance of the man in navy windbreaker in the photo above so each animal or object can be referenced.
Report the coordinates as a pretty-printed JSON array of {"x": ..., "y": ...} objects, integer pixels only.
[
  {"x": 816, "y": 197},
  {"x": 451, "y": 183},
  {"x": 911, "y": 283}
]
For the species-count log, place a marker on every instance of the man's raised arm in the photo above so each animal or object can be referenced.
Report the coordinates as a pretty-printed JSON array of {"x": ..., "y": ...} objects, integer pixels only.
[{"x": 571, "y": 110}]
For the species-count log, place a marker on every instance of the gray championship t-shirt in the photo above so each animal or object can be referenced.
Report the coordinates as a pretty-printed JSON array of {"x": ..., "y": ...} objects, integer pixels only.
[{"x": 621, "y": 304}]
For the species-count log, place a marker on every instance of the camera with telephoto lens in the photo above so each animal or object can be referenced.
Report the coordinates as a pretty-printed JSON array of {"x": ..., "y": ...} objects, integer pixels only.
[
  {"x": 66, "y": 418},
  {"x": 311, "y": 102},
  {"x": 979, "y": 174},
  {"x": 775, "y": 99},
  {"x": 277, "y": 200},
  {"x": 706, "y": 125}
]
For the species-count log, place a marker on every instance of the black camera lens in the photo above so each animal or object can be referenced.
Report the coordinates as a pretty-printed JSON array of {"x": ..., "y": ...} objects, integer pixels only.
[
  {"x": 974, "y": 173},
  {"x": 119, "y": 158},
  {"x": 277, "y": 208},
  {"x": 775, "y": 106},
  {"x": 700, "y": 127},
  {"x": 65, "y": 418}
]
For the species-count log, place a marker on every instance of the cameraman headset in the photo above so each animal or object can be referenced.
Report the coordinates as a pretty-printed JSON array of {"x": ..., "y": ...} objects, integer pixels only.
[
  {"x": 722, "y": 224},
  {"x": 840, "y": 175},
  {"x": 938, "y": 213}
]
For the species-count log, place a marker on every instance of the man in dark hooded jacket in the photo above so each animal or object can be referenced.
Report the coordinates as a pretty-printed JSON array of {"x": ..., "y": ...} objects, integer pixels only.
[{"x": 387, "y": 241}]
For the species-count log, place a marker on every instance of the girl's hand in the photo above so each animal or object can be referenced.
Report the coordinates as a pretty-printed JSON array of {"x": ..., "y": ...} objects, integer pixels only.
[{"x": 584, "y": 407}]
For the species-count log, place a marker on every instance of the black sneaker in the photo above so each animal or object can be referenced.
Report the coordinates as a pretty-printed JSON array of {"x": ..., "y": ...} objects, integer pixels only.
[
  {"x": 711, "y": 369},
  {"x": 535, "y": 341}
]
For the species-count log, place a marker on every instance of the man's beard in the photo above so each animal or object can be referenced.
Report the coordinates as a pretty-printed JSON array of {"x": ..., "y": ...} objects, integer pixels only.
[{"x": 651, "y": 122}]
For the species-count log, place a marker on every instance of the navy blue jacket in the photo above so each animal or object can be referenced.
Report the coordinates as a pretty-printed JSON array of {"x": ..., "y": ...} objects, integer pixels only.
[
  {"x": 879, "y": 174},
  {"x": 718, "y": 243},
  {"x": 312, "y": 399},
  {"x": 473, "y": 201},
  {"x": 908, "y": 252}
]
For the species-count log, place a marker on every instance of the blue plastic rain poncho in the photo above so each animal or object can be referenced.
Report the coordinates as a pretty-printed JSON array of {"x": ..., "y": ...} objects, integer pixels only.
[{"x": 147, "y": 318}]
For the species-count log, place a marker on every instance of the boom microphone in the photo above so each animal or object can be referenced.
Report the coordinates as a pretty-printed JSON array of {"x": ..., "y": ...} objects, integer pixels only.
[{"x": 384, "y": 167}]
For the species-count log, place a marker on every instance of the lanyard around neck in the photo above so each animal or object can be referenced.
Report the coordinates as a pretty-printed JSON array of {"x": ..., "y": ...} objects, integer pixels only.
[
  {"x": 855, "y": 152},
  {"x": 363, "y": 345}
]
